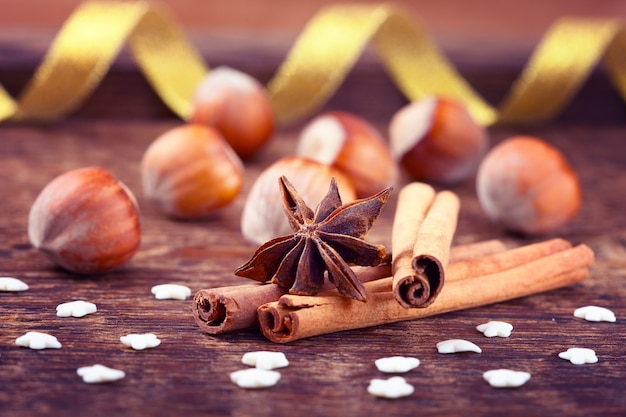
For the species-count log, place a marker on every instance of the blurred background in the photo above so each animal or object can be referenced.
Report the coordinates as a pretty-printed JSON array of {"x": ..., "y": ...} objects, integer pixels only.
[
  {"x": 489, "y": 41},
  {"x": 512, "y": 21}
]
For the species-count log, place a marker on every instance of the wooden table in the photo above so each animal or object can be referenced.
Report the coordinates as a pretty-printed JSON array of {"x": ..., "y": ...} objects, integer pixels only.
[{"x": 188, "y": 374}]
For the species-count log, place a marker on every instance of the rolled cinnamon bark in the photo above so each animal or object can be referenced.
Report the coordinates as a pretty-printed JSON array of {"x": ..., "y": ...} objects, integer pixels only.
[
  {"x": 422, "y": 232},
  {"x": 229, "y": 308},
  {"x": 224, "y": 309},
  {"x": 501, "y": 261},
  {"x": 292, "y": 318}
]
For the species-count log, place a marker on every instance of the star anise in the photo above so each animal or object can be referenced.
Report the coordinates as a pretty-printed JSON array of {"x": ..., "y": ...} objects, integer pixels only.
[{"x": 327, "y": 240}]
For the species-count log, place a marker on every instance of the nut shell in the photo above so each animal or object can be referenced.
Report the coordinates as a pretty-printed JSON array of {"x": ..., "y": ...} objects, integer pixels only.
[
  {"x": 237, "y": 106},
  {"x": 86, "y": 221},
  {"x": 263, "y": 217},
  {"x": 527, "y": 185},
  {"x": 437, "y": 140},
  {"x": 190, "y": 172},
  {"x": 353, "y": 146}
]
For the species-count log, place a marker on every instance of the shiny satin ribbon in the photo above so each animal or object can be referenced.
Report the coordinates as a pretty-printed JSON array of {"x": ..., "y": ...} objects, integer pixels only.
[{"x": 314, "y": 68}]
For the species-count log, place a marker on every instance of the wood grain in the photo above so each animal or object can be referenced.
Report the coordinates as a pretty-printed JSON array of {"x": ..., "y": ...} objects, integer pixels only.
[{"x": 188, "y": 373}]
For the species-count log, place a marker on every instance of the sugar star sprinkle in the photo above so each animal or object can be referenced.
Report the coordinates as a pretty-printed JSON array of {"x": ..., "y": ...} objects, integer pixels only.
[
  {"x": 394, "y": 387},
  {"x": 506, "y": 378},
  {"x": 140, "y": 341},
  {"x": 397, "y": 364},
  {"x": 265, "y": 360},
  {"x": 99, "y": 373},
  {"x": 579, "y": 356},
  {"x": 595, "y": 313},
  {"x": 78, "y": 308},
  {"x": 457, "y": 346},
  {"x": 38, "y": 340},
  {"x": 12, "y": 284},
  {"x": 495, "y": 329},
  {"x": 171, "y": 292},
  {"x": 255, "y": 378}
]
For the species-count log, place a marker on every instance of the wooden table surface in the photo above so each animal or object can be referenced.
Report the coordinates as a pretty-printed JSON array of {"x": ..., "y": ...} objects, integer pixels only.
[
  {"x": 328, "y": 375},
  {"x": 188, "y": 374}
]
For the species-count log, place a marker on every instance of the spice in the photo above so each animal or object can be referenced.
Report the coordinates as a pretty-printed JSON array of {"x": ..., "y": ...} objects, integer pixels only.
[
  {"x": 225, "y": 309},
  {"x": 423, "y": 228},
  {"x": 329, "y": 239},
  {"x": 292, "y": 318}
]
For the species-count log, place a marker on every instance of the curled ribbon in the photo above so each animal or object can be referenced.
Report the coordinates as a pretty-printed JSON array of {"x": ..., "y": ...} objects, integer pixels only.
[{"x": 316, "y": 65}]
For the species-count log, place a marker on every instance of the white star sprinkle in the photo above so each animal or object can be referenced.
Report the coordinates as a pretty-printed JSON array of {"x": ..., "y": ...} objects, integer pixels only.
[
  {"x": 140, "y": 341},
  {"x": 78, "y": 308},
  {"x": 506, "y": 378},
  {"x": 394, "y": 387},
  {"x": 12, "y": 284},
  {"x": 265, "y": 360},
  {"x": 456, "y": 346},
  {"x": 396, "y": 364},
  {"x": 579, "y": 356},
  {"x": 171, "y": 292},
  {"x": 38, "y": 340},
  {"x": 495, "y": 329},
  {"x": 255, "y": 378},
  {"x": 595, "y": 313},
  {"x": 99, "y": 373}
]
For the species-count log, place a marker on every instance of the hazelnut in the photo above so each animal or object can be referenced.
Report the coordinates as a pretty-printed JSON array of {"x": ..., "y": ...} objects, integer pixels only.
[
  {"x": 436, "y": 139},
  {"x": 237, "y": 106},
  {"x": 263, "y": 217},
  {"x": 351, "y": 145},
  {"x": 190, "y": 172},
  {"x": 527, "y": 185},
  {"x": 85, "y": 221}
]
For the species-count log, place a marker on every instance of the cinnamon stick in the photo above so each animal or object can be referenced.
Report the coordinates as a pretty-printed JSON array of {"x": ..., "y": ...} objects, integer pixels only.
[
  {"x": 225, "y": 309},
  {"x": 421, "y": 237},
  {"x": 501, "y": 261},
  {"x": 296, "y": 317}
]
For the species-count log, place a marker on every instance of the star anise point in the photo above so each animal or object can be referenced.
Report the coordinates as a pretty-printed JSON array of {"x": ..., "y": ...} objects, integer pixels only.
[{"x": 324, "y": 242}]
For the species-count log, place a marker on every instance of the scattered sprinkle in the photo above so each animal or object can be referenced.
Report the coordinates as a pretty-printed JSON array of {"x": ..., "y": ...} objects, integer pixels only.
[
  {"x": 396, "y": 364},
  {"x": 99, "y": 373},
  {"x": 171, "y": 292},
  {"x": 12, "y": 284},
  {"x": 394, "y": 387},
  {"x": 38, "y": 340},
  {"x": 140, "y": 341},
  {"x": 506, "y": 378},
  {"x": 78, "y": 308},
  {"x": 265, "y": 360},
  {"x": 495, "y": 329},
  {"x": 255, "y": 378},
  {"x": 456, "y": 346},
  {"x": 595, "y": 313},
  {"x": 579, "y": 356}
]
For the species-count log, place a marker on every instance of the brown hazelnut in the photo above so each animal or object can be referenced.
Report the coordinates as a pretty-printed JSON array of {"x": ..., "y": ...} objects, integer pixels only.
[
  {"x": 528, "y": 186},
  {"x": 353, "y": 146},
  {"x": 189, "y": 172},
  {"x": 86, "y": 221},
  {"x": 237, "y": 106},
  {"x": 436, "y": 139}
]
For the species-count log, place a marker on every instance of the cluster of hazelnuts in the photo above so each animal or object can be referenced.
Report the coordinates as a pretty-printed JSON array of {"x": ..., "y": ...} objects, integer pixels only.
[{"x": 88, "y": 222}]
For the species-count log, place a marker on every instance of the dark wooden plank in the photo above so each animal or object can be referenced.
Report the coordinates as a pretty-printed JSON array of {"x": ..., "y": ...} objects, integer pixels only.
[{"x": 188, "y": 373}]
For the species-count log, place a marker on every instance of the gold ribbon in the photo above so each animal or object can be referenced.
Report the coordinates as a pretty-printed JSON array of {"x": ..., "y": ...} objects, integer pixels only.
[{"x": 316, "y": 65}]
